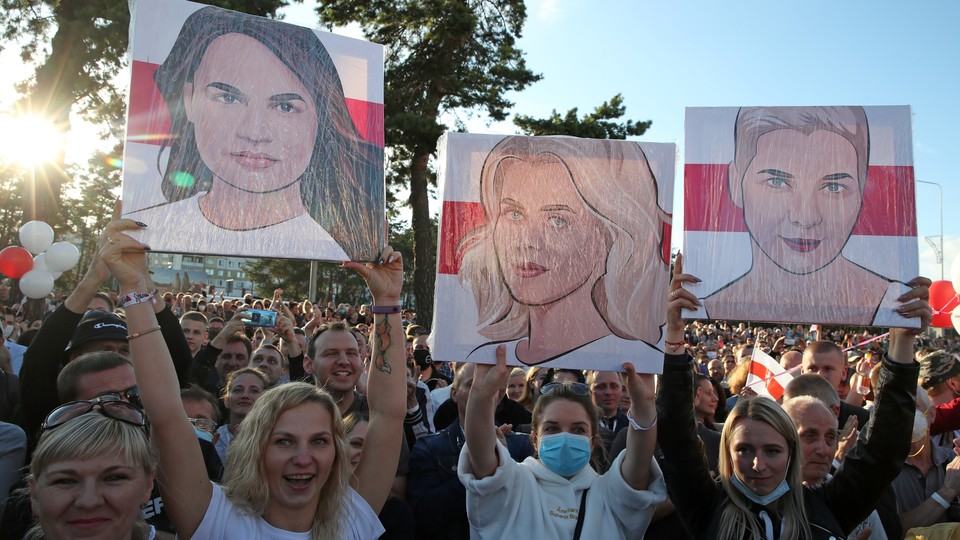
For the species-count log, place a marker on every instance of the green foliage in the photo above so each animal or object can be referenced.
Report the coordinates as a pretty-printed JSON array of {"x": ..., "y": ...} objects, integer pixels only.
[
  {"x": 602, "y": 123},
  {"x": 443, "y": 55},
  {"x": 269, "y": 274}
]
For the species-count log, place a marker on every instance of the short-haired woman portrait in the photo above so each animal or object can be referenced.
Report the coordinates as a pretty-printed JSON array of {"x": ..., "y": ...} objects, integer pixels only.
[
  {"x": 799, "y": 175},
  {"x": 570, "y": 257},
  {"x": 263, "y": 156}
]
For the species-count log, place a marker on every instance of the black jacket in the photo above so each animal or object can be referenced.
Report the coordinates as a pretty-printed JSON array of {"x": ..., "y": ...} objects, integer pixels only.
[{"x": 835, "y": 507}]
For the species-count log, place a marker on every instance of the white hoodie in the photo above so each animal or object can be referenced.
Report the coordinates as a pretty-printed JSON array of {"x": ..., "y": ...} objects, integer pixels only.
[{"x": 527, "y": 500}]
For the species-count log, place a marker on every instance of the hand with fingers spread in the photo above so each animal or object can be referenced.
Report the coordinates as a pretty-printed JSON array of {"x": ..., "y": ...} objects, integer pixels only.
[{"x": 848, "y": 437}]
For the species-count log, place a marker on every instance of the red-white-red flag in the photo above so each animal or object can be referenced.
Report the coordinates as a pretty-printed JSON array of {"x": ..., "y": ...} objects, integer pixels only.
[{"x": 767, "y": 377}]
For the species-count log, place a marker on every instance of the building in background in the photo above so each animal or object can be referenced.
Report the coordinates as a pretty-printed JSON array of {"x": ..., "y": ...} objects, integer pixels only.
[{"x": 226, "y": 274}]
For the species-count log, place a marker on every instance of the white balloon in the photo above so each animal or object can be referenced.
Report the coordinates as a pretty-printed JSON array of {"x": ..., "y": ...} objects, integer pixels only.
[
  {"x": 36, "y": 284},
  {"x": 955, "y": 319},
  {"x": 56, "y": 275},
  {"x": 62, "y": 256},
  {"x": 40, "y": 262},
  {"x": 36, "y": 236},
  {"x": 955, "y": 272}
]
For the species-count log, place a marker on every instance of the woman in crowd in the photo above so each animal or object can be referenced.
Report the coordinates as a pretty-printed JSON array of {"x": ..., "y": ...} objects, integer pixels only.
[
  {"x": 92, "y": 470},
  {"x": 760, "y": 493},
  {"x": 506, "y": 499},
  {"x": 531, "y": 388},
  {"x": 515, "y": 384},
  {"x": 244, "y": 387},
  {"x": 288, "y": 468}
]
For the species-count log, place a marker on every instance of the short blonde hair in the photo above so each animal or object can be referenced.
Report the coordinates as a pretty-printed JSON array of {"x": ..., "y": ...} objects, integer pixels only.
[
  {"x": 632, "y": 221},
  {"x": 89, "y": 436},
  {"x": 246, "y": 486}
]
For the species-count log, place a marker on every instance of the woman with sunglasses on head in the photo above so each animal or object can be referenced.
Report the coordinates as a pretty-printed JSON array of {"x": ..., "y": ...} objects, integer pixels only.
[
  {"x": 557, "y": 494},
  {"x": 288, "y": 470},
  {"x": 760, "y": 494},
  {"x": 92, "y": 470}
]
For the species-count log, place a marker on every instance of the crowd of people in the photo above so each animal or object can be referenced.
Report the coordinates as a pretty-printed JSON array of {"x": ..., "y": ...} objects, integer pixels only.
[{"x": 138, "y": 413}]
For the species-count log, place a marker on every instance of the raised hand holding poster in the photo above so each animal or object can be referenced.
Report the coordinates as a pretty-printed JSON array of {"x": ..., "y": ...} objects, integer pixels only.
[
  {"x": 800, "y": 214},
  {"x": 555, "y": 246},
  {"x": 248, "y": 136}
]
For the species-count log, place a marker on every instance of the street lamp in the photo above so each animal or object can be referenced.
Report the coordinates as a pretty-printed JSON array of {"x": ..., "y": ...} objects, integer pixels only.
[{"x": 939, "y": 187}]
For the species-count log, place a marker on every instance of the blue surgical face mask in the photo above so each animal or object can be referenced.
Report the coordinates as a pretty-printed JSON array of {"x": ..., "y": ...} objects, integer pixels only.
[
  {"x": 565, "y": 453},
  {"x": 762, "y": 500},
  {"x": 201, "y": 434}
]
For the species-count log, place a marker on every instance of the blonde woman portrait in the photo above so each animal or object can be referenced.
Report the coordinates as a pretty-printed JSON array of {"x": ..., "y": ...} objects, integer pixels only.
[{"x": 572, "y": 226}]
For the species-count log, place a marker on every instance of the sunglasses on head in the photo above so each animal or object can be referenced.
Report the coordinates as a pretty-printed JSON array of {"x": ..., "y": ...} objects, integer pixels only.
[
  {"x": 131, "y": 394},
  {"x": 577, "y": 388},
  {"x": 105, "y": 405}
]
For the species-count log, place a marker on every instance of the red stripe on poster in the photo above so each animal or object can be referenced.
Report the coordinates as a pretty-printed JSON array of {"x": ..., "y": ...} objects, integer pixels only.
[
  {"x": 457, "y": 219},
  {"x": 889, "y": 203},
  {"x": 149, "y": 122}
]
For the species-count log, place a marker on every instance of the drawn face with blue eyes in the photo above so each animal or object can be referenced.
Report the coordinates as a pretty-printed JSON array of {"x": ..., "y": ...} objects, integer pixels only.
[
  {"x": 255, "y": 122},
  {"x": 548, "y": 243},
  {"x": 801, "y": 198}
]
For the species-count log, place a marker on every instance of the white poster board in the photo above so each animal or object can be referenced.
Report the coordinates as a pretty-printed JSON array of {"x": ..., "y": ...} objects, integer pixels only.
[
  {"x": 800, "y": 214},
  {"x": 557, "y": 247},
  {"x": 252, "y": 137}
]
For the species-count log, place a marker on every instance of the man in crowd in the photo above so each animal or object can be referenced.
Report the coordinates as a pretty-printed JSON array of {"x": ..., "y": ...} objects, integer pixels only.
[
  {"x": 607, "y": 391},
  {"x": 194, "y": 326},
  {"x": 269, "y": 360},
  {"x": 826, "y": 359}
]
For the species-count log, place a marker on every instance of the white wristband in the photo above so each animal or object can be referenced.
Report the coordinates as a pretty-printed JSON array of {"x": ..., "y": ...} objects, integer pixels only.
[
  {"x": 940, "y": 500},
  {"x": 638, "y": 427}
]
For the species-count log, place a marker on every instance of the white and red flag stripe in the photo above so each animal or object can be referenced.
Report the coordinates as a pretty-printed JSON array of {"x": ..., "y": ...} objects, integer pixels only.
[{"x": 767, "y": 377}]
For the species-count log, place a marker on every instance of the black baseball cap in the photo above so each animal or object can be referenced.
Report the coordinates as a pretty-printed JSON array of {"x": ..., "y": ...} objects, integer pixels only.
[{"x": 97, "y": 324}]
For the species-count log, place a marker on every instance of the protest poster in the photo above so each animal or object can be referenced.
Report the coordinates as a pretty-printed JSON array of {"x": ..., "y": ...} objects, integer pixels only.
[
  {"x": 800, "y": 214},
  {"x": 557, "y": 247},
  {"x": 252, "y": 137}
]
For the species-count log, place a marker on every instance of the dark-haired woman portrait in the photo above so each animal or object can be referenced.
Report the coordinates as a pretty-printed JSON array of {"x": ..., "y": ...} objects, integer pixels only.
[{"x": 262, "y": 152}]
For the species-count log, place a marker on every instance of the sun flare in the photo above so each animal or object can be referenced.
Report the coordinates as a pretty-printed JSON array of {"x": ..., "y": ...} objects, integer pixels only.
[{"x": 28, "y": 140}]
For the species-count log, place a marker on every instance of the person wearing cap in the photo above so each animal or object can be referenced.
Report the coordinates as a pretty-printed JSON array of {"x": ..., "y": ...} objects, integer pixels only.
[
  {"x": 71, "y": 331},
  {"x": 940, "y": 376}
]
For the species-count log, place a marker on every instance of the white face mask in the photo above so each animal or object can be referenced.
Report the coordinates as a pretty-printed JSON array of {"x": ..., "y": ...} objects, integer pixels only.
[
  {"x": 7, "y": 331},
  {"x": 762, "y": 500}
]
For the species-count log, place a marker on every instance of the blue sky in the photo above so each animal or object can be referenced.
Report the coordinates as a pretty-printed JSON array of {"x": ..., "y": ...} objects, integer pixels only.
[{"x": 664, "y": 56}]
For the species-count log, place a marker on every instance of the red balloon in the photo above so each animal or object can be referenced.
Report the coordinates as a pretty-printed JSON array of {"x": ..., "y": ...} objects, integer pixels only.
[
  {"x": 943, "y": 299},
  {"x": 15, "y": 261}
]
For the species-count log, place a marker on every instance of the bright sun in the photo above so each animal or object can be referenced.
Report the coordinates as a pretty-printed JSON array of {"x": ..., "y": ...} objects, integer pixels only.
[{"x": 28, "y": 140}]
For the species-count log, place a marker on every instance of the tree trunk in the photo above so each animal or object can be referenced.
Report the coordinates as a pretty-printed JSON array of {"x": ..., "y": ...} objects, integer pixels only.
[{"x": 424, "y": 252}]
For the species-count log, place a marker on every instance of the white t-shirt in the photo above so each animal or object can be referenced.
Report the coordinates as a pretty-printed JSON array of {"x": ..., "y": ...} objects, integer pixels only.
[
  {"x": 181, "y": 226},
  {"x": 225, "y": 521}
]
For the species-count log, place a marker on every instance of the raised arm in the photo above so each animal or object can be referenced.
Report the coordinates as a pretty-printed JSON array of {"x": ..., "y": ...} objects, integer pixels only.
[
  {"x": 635, "y": 467},
  {"x": 684, "y": 464},
  {"x": 480, "y": 429},
  {"x": 182, "y": 478},
  {"x": 386, "y": 383},
  {"x": 881, "y": 450}
]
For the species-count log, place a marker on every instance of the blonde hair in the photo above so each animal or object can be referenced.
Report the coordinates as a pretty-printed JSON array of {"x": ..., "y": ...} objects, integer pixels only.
[
  {"x": 89, "y": 436},
  {"x": 246, "y": 486},
  {"x": 616, "y": 184},
  {"x": 736, "y": 519}
]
